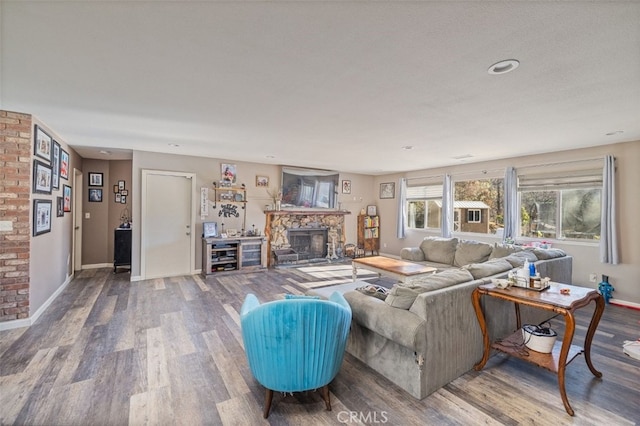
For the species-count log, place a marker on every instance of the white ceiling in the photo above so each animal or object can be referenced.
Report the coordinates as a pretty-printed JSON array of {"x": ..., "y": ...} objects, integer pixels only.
[{"x": 335, "y": 85}]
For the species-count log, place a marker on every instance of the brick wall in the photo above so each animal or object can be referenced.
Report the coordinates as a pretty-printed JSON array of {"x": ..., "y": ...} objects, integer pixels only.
[{"x": 15, "y": 188}]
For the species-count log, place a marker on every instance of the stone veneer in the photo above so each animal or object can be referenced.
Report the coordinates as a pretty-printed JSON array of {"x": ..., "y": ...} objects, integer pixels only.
[
  {"x": 15, "y": 190},
  {"x": 278, "y": 222}
]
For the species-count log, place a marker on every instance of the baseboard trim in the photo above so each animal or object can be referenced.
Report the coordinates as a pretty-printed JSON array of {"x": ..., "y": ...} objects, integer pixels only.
[
  {"x": 624, "y": 303},
  {"x": 26, "y": 322},
  {"x": 97, "y": 266}
]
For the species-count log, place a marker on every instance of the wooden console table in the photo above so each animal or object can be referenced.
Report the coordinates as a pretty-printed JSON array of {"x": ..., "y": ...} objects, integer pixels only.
[{"x": 550, "y": 300}]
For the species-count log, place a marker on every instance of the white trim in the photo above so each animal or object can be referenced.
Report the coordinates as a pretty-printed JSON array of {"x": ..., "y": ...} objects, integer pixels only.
[
  {"x": 97, "y": 265},
  {"x": 625, "y": 304},
  {"x": 136, "y": 278},
  {"x": 26, "y": 322}
]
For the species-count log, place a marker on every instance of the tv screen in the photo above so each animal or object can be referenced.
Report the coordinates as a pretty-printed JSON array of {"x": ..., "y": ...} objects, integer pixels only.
[{"x": 309, "y": 188}]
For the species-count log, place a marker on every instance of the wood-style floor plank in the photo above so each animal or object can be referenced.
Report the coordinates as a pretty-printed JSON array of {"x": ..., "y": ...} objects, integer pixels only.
[{"x": 170, "y": 352}]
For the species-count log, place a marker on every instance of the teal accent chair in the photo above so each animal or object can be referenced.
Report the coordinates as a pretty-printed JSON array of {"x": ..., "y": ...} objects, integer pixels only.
[{"x": 296, "y": 344}]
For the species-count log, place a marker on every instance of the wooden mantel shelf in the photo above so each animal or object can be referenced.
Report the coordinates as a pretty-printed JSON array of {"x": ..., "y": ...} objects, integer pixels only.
[{"x": 307, "y": 211}]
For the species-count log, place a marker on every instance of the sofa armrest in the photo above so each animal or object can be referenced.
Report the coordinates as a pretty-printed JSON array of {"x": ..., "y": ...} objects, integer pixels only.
[{"x": 414, "y": 254}]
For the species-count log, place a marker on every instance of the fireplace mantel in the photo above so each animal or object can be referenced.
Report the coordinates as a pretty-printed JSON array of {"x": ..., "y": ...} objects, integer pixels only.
[{"x": 279, "y": 221}]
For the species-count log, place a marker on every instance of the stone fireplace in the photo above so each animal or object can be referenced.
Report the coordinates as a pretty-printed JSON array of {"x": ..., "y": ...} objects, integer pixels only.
[{"x": 306, "y": 232}]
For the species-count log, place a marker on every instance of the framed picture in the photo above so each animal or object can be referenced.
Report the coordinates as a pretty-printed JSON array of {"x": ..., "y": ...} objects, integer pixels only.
[
  {"x": 118, "y": 197},
  {"x": 64, "y": 164},
  {"x": 59, "y": 206},
  {"x": 116, "y": 189},
  {"x": 120, "y": 185},
  {"x": 232, "y": 233},
  {"x": 346, "y": 187},
  {"x": 124, "y": 192},
  {"x": 95, "y": 179},
  {"x": 262, "y": 181},
  {"x": 228, "y": 172},
  {"x": 95, "y": 195},
  {"x": 55, "y": 165},
  {"x": 42, "y": 144},
  {"x": 66, "y": 195},
  {"x": 372, "y": 211},
  {"x": 123, "y": 199},
  {"x": 41, "y": 216},
  {"x": 209, "y": 229},
  {"x": 41, "y": 177},
  {"x": 387, "y": 190}
]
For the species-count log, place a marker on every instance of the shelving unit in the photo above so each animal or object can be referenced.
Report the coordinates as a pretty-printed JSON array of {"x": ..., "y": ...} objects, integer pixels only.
[
  {"x": 369, "y": 233},
  {"x": 231, "y": 195},
  {"x": 225, "y": 255}
]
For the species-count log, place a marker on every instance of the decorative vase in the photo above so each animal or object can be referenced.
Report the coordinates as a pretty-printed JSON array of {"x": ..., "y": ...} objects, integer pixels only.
[
  {"x": 605, "y": 289},
  {"x": 278, "y": 205}
]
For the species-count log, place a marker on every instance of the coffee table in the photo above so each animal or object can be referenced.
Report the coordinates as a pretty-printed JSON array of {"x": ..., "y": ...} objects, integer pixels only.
[
  {"x": 404, "y": 271},
  {"x": 551, "y": 299}
]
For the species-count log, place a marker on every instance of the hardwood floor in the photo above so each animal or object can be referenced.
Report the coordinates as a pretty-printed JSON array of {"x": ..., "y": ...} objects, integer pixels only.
[{"x": 169, "y": 351}]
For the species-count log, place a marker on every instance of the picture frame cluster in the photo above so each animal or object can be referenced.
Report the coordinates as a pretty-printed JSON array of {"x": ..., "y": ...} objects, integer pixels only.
[
  {"x": 50, "y": 165},
  {"x": 121, "y": 192}
]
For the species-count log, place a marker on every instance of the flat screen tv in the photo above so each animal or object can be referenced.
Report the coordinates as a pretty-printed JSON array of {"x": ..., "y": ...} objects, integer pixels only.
[{"x": 309, "y": 188}]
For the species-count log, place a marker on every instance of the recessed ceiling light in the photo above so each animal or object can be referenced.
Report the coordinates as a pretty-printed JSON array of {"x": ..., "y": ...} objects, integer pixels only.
[
  {"x": 271, "y": 156},
  {"x": 174, "y": 145},
  {"x": 462, "y": 157},
  {"x": 617, "y": 132},
  {"x": 102, "y": 151},
  {"x": 503, "y": 67},
  {"x": 407, "y": 147}
]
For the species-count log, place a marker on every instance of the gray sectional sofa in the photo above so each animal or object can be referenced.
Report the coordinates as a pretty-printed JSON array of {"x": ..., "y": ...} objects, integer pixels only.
[{"x": 426, "y": 335}]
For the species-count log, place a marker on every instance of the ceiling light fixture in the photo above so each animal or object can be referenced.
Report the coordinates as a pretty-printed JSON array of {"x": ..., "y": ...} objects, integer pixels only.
[
  {"x": 174, "y": 145},
  {"x": 617, "y": 132},
  {"x": 407, "y": 147},
  {"x": 102, "y": 151},
  {"x": 503, "y": 67}
]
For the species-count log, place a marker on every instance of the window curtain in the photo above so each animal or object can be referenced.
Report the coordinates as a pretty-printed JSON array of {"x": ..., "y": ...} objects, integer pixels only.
[
  {"x": 510, "y": 204},
  {"x": 447, "y": 207},
  {"x": 608, "y": 225},
  {"x": 402, "y": 208}
]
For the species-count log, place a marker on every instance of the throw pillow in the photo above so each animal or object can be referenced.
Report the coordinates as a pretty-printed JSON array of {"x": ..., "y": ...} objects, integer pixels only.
[
  {"x": 439, "y": 250},
  {"x": 471, "y": 252},
  {"x": 504, "y": 250},
  {"x": 517, "y": 259},
  {"x": 402, "y": 297},
  {"x": 545, "y": 254},
  {"x": 488, "y": 268},
  {"x": 374, "y": 290}
]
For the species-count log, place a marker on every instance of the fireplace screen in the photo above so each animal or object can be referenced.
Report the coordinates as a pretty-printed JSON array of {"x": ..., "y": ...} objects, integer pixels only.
[{"x": 309, "y": 243}]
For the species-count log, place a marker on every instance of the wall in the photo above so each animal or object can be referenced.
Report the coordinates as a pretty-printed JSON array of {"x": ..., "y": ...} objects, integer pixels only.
[
  {"x": 624, "y": 277},
  {"x": 104, "y": 217},
  {"x": 208, "y": 170},
  {"x": 36, "y": 267}
]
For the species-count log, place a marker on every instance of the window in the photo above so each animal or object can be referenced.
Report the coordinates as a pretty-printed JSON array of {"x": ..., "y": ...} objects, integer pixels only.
[
  {"x": 480, "y": 204},
  {"x": 564, "y": 206},
  {"x": 473, "y": 216},
  {"x": 424, "y": 206}
]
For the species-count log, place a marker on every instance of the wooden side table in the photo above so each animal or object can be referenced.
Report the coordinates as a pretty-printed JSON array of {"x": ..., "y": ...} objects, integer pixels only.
[{"x": 550, "y": 300}]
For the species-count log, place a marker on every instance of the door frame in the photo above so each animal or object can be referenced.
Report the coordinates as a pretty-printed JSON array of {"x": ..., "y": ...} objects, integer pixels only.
[
  {"x": 143, "y": 209},
  {"x": 76, "y": 209}
]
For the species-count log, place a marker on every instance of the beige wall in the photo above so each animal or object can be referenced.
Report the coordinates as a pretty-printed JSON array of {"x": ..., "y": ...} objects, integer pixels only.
[
  {"x": 207, "y": 171},
  {"x": 624, "y": 277}
]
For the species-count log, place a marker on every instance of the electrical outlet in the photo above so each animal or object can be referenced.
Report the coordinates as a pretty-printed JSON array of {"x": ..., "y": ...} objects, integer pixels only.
[{"x": 593, "y": 277}]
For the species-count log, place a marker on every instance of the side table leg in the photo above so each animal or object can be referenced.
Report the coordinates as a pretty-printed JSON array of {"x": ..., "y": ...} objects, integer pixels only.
[
  {"x": 354, "y": 271},
  {"x": 595, "y": 319},
  {"x": 475, "y": 297},
  {"x": 570, "y": 327}
]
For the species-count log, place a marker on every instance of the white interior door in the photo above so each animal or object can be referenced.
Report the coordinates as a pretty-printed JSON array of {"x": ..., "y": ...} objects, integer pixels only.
[{"x": 168, "y": 244}]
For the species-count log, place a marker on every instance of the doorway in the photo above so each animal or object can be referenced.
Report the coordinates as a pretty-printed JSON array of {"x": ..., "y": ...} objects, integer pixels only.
[{"x": 167, "y": 237}]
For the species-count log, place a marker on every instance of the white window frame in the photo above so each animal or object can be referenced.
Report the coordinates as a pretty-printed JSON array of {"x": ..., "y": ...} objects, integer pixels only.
[{"x": 476, "y": 212}]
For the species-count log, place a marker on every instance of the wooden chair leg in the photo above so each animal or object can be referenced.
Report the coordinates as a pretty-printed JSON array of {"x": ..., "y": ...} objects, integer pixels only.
[
  {"x": 324, "y": 391},
  {"x": 268, "y": 397}
]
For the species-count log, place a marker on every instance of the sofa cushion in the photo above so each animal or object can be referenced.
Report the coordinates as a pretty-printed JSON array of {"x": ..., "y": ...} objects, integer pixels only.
[
  {"x": 471, "y": 252},
  {"x": 488, "y": 268},
  {"x": 504, "y": 250},
  {"x": 440, "y": 250},
  {"x": 546, "y": 254},
  {"x": 402, "y": 297},
  {"x": 413, "y": 254}
]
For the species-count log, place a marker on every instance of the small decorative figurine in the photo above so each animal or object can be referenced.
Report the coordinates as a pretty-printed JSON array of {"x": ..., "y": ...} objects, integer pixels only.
[{"x": 605, "y": 289}]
